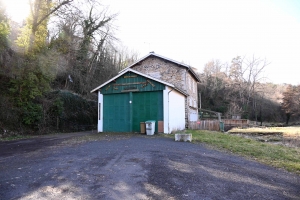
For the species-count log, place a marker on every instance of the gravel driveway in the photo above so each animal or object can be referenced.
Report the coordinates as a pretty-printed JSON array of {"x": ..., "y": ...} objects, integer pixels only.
[{"x": 73, "y": 166}]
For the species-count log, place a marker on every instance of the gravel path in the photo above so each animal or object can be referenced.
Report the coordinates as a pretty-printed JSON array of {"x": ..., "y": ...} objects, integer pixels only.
[{"x": 133, "y": 167}]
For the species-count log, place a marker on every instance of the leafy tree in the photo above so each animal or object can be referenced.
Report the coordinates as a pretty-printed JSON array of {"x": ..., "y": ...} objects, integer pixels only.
[
  {"x": 4, "y": 28},
  {"x": 34, "y": 34},
  {"x": 26, "y": 89},
  {"x": 78, "y": 53}
]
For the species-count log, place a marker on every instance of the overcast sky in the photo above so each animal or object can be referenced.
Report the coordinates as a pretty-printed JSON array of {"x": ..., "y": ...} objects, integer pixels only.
[{"x": 197, "y": 31}]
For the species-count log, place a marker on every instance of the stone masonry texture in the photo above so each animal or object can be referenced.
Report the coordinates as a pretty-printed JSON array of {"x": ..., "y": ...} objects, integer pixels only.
[{"x": 172, "y": 73}]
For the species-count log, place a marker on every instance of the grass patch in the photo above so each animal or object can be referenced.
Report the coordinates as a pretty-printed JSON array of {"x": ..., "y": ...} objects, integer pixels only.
[
  {"x": 289, "y": 136},
  {"x": 275, "y": 155},
  {"x": 15, "y": 137},
  {"x": 286, "y": 131}
]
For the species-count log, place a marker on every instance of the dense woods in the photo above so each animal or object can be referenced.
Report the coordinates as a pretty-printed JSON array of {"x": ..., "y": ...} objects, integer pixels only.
[
  {"x": 240, "y": 89},
  {"x": 65, "y": 48},
  {"x": 50, "y": 62}
]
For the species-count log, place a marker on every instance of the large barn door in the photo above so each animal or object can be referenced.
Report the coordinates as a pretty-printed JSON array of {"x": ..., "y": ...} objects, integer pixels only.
[
  {"x": 116, "y": 113},
  {"x": 146, "y": 106}
]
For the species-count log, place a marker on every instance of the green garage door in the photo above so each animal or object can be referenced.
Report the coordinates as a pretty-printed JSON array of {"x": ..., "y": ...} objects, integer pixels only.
[
  {"x": 116, "y": 113},
  {"x": 146, "y": 106}
]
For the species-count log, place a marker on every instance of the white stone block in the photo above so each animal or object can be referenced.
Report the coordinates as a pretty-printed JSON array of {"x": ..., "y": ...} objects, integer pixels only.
[{"x": 183, "y": 137}]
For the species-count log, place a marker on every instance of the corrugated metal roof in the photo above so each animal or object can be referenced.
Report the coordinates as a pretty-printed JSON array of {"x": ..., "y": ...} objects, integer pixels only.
[{"x": 165, "y": 58}]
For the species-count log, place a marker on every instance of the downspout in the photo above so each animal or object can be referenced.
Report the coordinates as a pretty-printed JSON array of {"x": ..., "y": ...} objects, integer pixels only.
[
  {"x": 169, "y": 110},
  {"x": 186, "y": 107}
]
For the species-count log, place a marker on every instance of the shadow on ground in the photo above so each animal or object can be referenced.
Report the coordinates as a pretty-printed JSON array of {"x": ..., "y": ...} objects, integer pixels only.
[{"x": 134, "y": 166}]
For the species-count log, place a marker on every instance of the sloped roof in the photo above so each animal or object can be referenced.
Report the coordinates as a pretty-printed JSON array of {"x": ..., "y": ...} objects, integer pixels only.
[
  {"x": 141, "y": 74},
  {"x": 165, "y": 58}
]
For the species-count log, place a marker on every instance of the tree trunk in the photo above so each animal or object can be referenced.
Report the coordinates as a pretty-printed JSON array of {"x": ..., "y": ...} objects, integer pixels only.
[{"x": 288, "y": 116}]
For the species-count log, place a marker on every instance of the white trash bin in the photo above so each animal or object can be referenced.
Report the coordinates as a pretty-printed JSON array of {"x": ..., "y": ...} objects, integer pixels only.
[{"x": 150, "y": 127}]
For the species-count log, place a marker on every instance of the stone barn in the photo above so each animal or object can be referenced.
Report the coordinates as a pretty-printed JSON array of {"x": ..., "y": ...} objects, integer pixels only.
[{"x": 152, "y": 88}]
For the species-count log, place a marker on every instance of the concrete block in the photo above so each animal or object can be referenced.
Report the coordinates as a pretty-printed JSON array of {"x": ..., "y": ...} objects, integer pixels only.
[{"x": 183, "y": 137}]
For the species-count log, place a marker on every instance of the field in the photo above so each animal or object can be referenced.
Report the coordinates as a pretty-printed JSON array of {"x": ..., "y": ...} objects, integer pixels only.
[
  {"x": 281, "y": 149},
  {"x": 288, "y": 136}
]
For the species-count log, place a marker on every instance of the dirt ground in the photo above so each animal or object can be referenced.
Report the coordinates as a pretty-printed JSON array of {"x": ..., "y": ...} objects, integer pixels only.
[{"x": 131, "y": 166}]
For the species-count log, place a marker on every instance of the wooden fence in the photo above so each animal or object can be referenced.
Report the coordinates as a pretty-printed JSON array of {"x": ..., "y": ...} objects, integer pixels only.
[
  {"x": 214, "y": 125},
  {"x": 236, "y": 122}
]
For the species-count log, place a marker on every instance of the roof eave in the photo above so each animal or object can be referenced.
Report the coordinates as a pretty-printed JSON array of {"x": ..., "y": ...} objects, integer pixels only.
[
  {"x": 165, "y": 58},
  {"x": 134, "y": 71}
]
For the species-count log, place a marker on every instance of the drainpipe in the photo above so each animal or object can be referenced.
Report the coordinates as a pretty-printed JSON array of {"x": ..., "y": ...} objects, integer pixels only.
[
  {"x": 169, "y": 110},
  {"x": 186, "y": 107}
]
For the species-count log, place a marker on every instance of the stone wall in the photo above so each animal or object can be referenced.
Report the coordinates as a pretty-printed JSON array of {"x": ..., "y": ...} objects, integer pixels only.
[
  {"x": 163, "y": 70},
  {"x": 176, "y": 75}
]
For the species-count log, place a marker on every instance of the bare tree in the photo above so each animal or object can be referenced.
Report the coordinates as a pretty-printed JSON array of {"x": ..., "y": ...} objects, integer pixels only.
[{"x": 291, "y": 102}]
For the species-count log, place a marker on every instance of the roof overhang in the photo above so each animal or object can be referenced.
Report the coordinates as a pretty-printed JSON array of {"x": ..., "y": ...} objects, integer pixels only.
[
  {"x": 141, "y": 74},
  {"x": 164, "y": 58}
]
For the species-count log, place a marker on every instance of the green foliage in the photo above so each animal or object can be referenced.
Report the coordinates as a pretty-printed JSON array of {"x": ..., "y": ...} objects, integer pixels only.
[
  {"x": 57, "y": 108},
  {"x": 33, "y": 36},
  {"x": 4, "y": 28},
  {"x": 79, "y": 58},
  {"x": 28, "y": 87},
  {"x": 10, "y": 115},
  {"x": 61, "y": 44},
  {"x": 32, "y": 113},
  {"x": 67, "y": 111},
  {"x": 221, "y": 109},
  {"x": 23, "y": 40},
  {"x": 77, "y": 110},
  {"x": 31, "y": 83}
]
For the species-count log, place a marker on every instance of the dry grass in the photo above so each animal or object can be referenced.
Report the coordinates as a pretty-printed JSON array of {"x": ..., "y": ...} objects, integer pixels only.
[
  {"x": 290, "y": 131},
  {"x": 289, "y": 136}
]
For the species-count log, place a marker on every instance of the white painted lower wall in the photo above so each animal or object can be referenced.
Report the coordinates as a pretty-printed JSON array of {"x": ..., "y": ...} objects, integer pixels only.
[
  {"x": 100, "y": 112},
  {"x": 174, "y": 110}
]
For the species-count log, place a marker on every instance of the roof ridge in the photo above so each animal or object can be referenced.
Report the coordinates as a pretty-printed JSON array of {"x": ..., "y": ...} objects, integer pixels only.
[{"x": 165, "y": 58}]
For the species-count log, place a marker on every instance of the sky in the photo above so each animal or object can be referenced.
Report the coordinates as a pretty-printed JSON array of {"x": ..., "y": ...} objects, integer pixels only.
[{"x": 197, "y": 31}]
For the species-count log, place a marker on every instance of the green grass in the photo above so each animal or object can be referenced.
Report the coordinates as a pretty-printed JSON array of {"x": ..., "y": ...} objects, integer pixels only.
[
  {"x": 275, "y": 155},
  {"x": 15, "y": 137}
]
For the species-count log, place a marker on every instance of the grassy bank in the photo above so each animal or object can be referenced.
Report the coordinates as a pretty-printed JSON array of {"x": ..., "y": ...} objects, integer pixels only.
[
  {"x": 275, "y": 155},
  {"x": 285, "y": 131}
]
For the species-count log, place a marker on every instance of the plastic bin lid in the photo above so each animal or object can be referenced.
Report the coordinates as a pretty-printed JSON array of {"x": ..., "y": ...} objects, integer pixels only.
[{"x": 149, "y": 121}]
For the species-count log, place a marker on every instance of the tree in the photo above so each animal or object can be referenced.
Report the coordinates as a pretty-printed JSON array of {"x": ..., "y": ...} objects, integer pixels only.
[
  {"x": 291, "y": 102},
  {"x": 235, "y": 88},
  {"x": 90, "y": 54},
  {"x": 63, "y": 47},
  {"x": 34, "y": 34},
  {"x": 4, "y": 28},
  {"x": 245, "y": 75}
]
